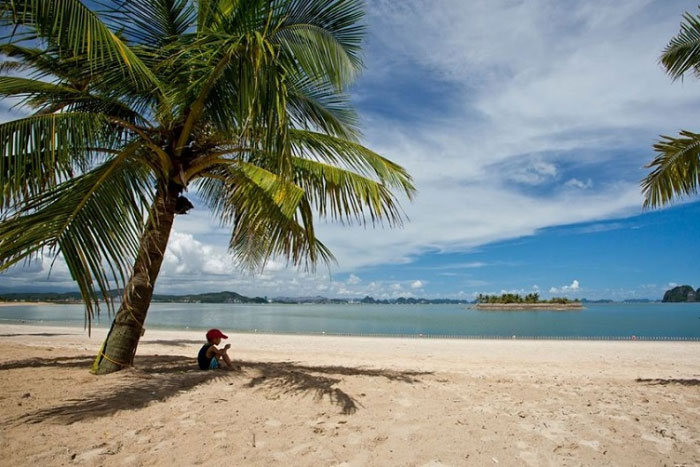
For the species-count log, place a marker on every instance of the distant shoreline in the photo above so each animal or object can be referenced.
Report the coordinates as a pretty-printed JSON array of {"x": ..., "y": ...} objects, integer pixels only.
[
  {"x": 30, "y": 303},
  {"x": 528, "y": 306}
]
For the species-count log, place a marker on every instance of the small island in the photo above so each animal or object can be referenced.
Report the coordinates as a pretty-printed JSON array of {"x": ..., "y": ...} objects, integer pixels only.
[
  {"x": 682, "y": 294},
  {"x": 516, "y": 302}
]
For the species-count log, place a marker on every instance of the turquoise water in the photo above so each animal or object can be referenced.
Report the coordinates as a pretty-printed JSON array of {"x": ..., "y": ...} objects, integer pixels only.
[{"x": 654, "y": 320}]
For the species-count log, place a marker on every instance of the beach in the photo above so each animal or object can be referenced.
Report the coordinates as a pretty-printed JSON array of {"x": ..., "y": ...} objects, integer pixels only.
[{"x": 322, "y": 400}]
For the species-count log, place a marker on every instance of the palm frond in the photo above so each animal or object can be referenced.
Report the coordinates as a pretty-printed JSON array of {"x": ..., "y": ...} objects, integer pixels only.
[
  {"x": 94, "y": 220},
  {"x": 11, "y": 86},
  {"x": 676, "y": 169},
  {"x": 262, "y": 209},
  {"x": 40, "y": 151},
  {"x": 683, "y": 51},
  {"x": 35, "y": 93},
  {"x": 324, "y": 37},
  {"x": 50, "y": 97},
  {"x": 353, "y": 155},
  {"x": 318, "y": 106},
  {"x": 75, "y": 31},
  {"x": 318, "y": 54},
  {"x": 41, "y": 62},
  {"x": 344, "y": 195},
  {"x": 154, "y": 23},
  {"x": 225, "y": 190}
]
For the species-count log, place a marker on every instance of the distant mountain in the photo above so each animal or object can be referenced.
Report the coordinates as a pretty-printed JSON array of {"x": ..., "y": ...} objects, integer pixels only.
[
  {"x": 682, "y": 293},
  {"x": 213, "y": 297},
  {"x": 368, "y": 301},
  {"x": 53, "y": 297},
  {"x": 74, "y": 297}
]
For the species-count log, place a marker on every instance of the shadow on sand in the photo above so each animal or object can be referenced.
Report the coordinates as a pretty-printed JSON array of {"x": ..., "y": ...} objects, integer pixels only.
[
  {"x": 157, "y": 378},
  {"x": 58, "y": 362},
  {"x": 39, "y": 334},
  {"x": 663, "y": 382}
]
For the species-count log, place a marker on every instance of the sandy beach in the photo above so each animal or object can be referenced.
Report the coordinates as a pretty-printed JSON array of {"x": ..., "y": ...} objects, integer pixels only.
[{"x": 300, "y": 400}]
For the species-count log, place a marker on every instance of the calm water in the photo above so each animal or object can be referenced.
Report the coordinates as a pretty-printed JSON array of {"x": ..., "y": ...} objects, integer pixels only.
[{"x": 605, "y": 320}]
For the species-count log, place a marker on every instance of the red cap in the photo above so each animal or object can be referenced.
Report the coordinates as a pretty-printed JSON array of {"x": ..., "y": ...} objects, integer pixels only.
[{"x": 215, "y": 333}]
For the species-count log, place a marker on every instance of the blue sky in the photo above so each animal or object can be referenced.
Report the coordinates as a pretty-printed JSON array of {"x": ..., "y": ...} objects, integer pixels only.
[{"x": 526, "y": 126}]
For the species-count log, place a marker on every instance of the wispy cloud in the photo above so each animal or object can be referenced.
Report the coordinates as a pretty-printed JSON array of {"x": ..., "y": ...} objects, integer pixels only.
[{"x": 565, "y": 289}]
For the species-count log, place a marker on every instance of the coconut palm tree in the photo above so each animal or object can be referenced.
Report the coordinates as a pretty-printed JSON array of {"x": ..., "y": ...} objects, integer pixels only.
[
  {"x": 676, "y": 168},
  {"x": 136, "y": 104}
]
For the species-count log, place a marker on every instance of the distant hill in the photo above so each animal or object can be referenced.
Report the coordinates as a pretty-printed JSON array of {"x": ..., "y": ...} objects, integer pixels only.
[
  {"x": 213, "y": 297},
  {"x": 74, "y": 297},
  {"x": 53, "y": 297},
  {"x": 682, "y": 293}
]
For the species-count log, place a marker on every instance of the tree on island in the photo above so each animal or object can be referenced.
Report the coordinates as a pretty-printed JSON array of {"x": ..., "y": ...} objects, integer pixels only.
[
  {"x": 533, "y": 298},
  {"x": 676, "y": 168},
  {"x": 138, "y": 104}
]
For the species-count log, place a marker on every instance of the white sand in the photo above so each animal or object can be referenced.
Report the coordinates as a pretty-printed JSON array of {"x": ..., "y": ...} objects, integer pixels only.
[{"x": 300, "y": 400}]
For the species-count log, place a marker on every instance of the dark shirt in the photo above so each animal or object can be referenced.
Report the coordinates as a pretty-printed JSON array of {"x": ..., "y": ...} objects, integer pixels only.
[{"x": 202, "y": 359}]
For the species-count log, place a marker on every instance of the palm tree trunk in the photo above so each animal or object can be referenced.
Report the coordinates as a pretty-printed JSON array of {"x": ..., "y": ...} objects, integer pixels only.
[{"x": 127, "y": 328}]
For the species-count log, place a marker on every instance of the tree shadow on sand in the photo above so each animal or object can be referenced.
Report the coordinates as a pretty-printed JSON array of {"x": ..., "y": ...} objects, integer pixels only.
[
  {"x": 287, "y": 377},
  {"x": 39, "y": 334},
  {"x": 159, "y": 378},
  {"x": 665, "y": 381},
  {"x": 58, "y": 362}
]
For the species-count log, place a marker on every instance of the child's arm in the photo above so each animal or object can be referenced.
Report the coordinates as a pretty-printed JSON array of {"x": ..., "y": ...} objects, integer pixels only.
[
  {"x": 211, "y": 351},
  {"x": 214, "y": 351}
]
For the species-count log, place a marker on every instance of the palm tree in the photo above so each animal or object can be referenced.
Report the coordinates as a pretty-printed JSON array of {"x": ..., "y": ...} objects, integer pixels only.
[
  {"x": 676, "y": 168},
  {"x": 137, "y": 104}
]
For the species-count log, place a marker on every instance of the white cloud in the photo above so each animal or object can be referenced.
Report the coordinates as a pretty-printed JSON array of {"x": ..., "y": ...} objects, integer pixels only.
[
  {"x": 353, "y": 279},
  {"x": 576, "y": 183},
  {"x": 417, "y": 284},
  {"x": 536, "y": 173},
  {"x": 47, "y": 271},
  {"x": 573, "y": 287},
  {"x": 187, "y": 256}
]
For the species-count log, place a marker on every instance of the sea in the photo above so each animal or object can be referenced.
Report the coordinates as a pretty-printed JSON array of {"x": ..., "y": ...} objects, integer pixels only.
[{"x": 625, "y": 321}]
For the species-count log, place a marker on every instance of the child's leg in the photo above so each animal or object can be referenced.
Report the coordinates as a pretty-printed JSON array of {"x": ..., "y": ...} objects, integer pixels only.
[{"x": 224, "y": 356}]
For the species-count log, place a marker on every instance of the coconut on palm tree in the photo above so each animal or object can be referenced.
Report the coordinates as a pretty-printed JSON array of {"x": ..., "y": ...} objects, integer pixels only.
[
  {"x": 676, "y": 168},
  {"x": 135, "y": 104}
]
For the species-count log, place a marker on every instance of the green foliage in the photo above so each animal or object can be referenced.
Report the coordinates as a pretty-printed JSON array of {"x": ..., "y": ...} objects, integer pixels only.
[
  {"x": 682, "y": 293},
  {"x": 510, "y": 298},
  {"x": 243, "y": 102},
  {"x": 676, "y": 168}
]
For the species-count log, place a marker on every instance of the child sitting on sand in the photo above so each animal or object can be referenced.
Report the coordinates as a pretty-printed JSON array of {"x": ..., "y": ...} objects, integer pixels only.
[{"x": 210, "y": 357}]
